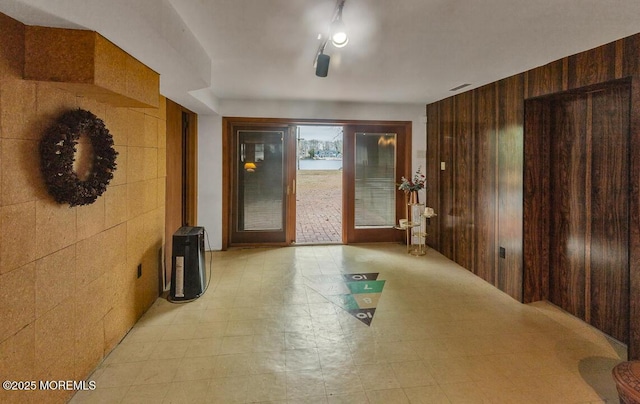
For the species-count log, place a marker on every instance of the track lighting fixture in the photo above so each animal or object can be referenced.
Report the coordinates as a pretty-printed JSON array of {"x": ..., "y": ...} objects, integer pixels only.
[{"x": 338, "y": 36}]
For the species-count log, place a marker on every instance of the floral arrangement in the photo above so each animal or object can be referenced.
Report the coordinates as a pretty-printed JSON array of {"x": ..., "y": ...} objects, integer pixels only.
[{"x": 415, "y": 184}]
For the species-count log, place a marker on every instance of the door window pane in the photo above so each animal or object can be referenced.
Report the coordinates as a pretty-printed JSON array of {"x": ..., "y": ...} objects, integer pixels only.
[
  {"x": 375, "y": 193},
  {"x": 260, "y": 180}
]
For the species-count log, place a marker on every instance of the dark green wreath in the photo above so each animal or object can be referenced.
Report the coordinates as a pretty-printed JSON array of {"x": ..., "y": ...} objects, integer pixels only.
[{"x": 57, "y": 154}]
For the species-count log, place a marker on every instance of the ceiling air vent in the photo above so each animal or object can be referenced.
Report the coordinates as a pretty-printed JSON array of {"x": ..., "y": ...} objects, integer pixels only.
[{"x": 459, "y": 87}]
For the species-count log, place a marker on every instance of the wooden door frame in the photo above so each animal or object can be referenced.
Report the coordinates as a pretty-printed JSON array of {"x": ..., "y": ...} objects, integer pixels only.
[
  {"x": 174, "y": 114},
  {"x": 227, "y": 148}
]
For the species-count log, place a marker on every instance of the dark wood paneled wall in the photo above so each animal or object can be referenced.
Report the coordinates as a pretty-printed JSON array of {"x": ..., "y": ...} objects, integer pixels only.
[
  {"x": 503, "y": 213},
  {"x": 462, "y": 167}
]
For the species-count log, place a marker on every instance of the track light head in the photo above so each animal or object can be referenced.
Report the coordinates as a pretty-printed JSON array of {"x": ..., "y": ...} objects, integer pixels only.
[{"x": 322, "y": 65}]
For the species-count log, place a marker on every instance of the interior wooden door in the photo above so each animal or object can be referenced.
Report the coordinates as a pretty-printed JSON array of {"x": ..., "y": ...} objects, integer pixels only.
[
  {"x": 375, "y": 158},
  {"x": 181, "y": 181},
  {"x": 589, "y": 233}
]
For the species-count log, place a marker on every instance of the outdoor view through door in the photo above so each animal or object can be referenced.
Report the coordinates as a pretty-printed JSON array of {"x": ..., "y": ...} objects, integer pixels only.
[{"x": 319, "y": 184}]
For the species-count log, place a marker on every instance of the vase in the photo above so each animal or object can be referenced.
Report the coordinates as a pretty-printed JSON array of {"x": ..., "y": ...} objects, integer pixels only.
[{"x": 413, "y": 197}]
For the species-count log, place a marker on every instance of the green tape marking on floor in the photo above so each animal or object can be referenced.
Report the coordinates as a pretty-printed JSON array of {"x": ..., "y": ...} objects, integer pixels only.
[{"x": 366, "y": 286}]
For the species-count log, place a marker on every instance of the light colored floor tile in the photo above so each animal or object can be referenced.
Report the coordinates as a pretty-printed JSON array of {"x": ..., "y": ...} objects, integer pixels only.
[
  {"x": 392, "y": 396},
  {"x": 147, "y": 393},
  {"x": 439, "y": 335}
]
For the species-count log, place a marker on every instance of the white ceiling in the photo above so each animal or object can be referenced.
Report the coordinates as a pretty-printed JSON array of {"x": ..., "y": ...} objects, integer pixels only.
[{"x": 403, "y": 51}]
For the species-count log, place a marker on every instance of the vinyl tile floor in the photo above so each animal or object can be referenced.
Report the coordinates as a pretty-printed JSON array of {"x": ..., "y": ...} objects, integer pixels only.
[{"x": 263, "y": 333}]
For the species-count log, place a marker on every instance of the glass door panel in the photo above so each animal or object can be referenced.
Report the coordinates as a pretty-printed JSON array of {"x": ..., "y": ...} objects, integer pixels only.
[
  {"x": 376, "y": 156},
  {"x": 375, "y": 180},
  {"x": 260, "y": 194}
]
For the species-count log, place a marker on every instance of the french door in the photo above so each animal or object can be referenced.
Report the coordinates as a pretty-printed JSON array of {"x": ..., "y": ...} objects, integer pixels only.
[
  {"x": 375, "y": 159},
  {"x": 259, "y": 175},
  {"x": 263, "y": 194}
]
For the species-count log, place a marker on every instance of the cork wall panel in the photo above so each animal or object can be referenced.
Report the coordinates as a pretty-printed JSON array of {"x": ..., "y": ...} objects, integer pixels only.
[
  {"x": 59, "y": 55},
  {"x": 142, "y": 83},
  {"x": 110, "y": 66},
  {"x": 12, "y": 60},
  {"x": 85, "y": 63},
  {"x": 68, "y": 275}
]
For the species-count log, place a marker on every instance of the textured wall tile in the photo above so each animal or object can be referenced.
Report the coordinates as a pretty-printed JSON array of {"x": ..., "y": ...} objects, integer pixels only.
[
  {"x": 91, "y": 218},
  {"x": 17, "y": 300},
  {"x": 135, "y": 200},
  {"x": 150, "y": 192},
  {"x": 17, "y": 244},
  {"x": 117, "y": 322},
  {"x": 55, "y": 279},
  {"x": 162, "y": 162},
  {"x": 150, "y": 161},
  {"x": 115, "y": 205},
  {"x": 17, "y": 355},
  {"x": 89, "y": 260},
  {"x": 55, "y": 227},
  {"x": 92, "y": 105},
  {"x": 135, "y": 164},
  {"x": 135, "y": 240},
  {"x": 89, "y": 349},
  {"x": 18, "y": 115},
  {"x": 115, "y": 246},
  {"x": 17, "y": 362},
  {"x": 90, "y": 302},
  {"x": 116, "y": 122},
  {"x": 51, "y": 102},
  {"x": 162, "y": 191},
  {"x": 135, "y": 128},
  {"x": 162, "y": 133},
  {"x": 150, "y": 131},
  {"x": 21, "y": 179},
  {"x": 120, "y": 174},
  {"x": 55, "y": 333}
]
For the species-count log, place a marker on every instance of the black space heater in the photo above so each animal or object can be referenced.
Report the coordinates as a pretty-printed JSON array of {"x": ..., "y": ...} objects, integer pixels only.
[{"x": 188, "y": 275}]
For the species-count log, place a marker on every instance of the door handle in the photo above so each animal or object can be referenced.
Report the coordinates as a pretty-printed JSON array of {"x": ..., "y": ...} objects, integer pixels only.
[{"x": 294, "y": 187}]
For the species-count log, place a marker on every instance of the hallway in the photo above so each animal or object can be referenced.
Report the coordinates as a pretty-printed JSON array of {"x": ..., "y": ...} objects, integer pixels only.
[{"x": 265, "y": 332}]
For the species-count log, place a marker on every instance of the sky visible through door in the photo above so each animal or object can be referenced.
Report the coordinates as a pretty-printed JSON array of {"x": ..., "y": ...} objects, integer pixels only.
[{"x": 319, "y": 184}]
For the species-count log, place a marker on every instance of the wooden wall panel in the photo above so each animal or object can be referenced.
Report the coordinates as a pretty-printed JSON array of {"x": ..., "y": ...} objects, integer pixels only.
[
  {"x": 446, "y": 178},
  {"x": 510, "y": 182},
  {"x": 592, "y": 67},
  {"x": 630, "y": 56},
  {"x": 614, "y": 60},
  {"x": 485, "y": 182},
  {"x": 432, "y": 173},
  {"x": 634, "y": 221},
  {"x": 568, "y": 213},
  {"x": 609, "y": 213},
  {"x": 462, "y": 213},
  {"x": 536, "y": 214},
  {"x": 544, "y": 80}
]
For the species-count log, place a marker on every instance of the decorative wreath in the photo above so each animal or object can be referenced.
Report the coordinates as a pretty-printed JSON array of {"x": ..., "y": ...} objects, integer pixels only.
[{"x": 57, "y": 155}]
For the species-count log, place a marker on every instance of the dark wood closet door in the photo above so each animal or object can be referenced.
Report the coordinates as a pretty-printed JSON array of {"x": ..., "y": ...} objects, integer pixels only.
[
  {"x": 589, "y": 265},
  {"x": 568, "y": 215},
  {"x": 609, "y": 213}
]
